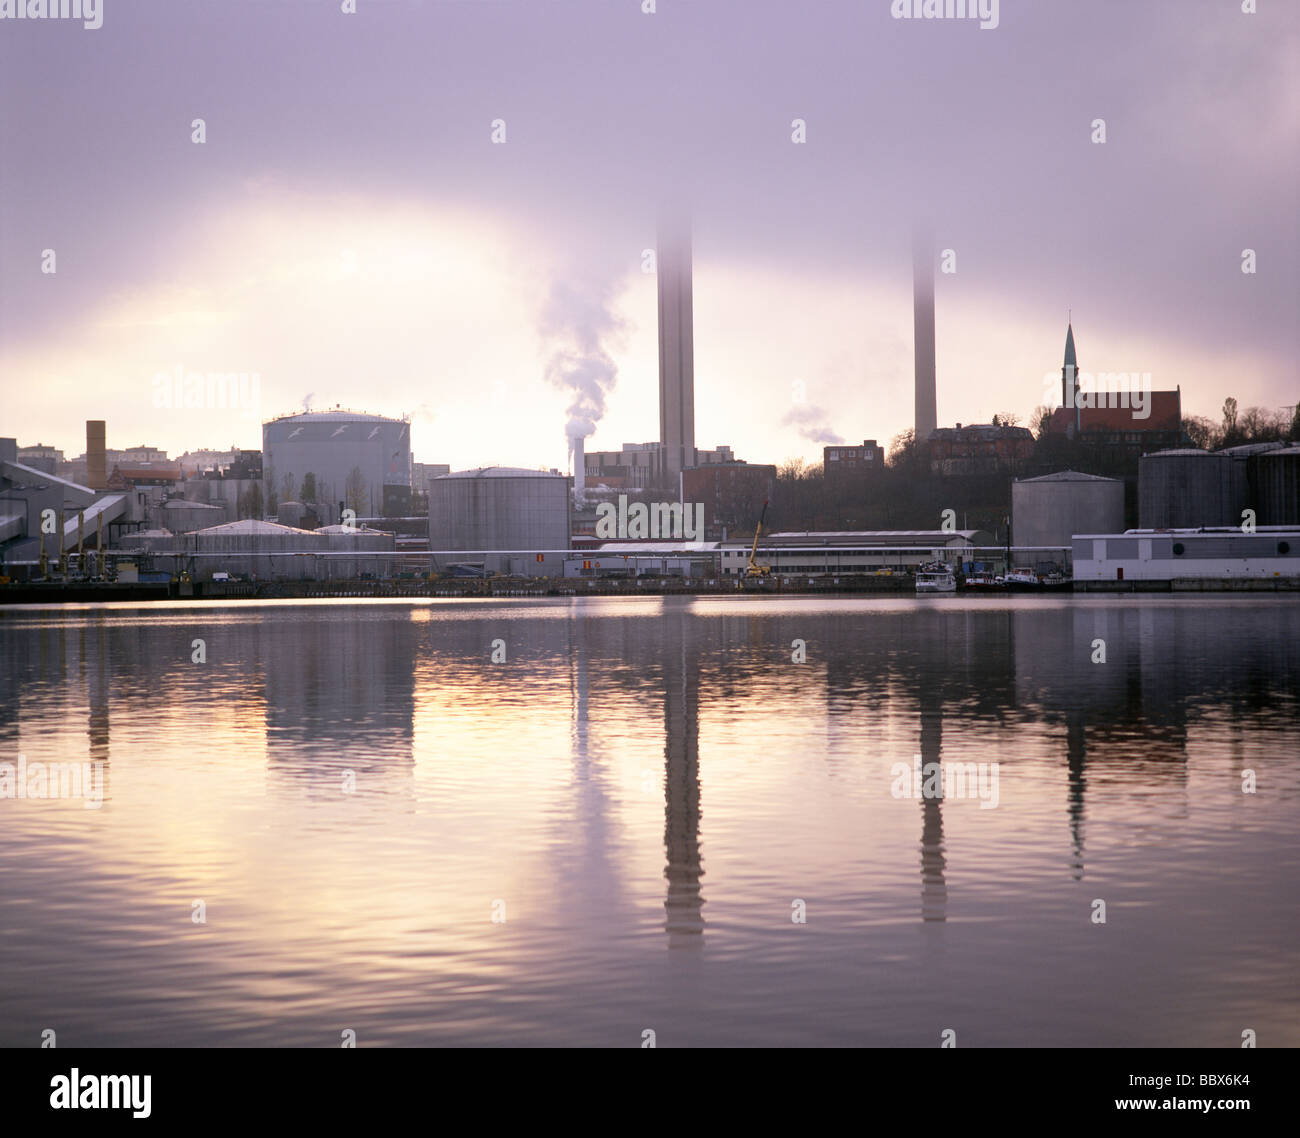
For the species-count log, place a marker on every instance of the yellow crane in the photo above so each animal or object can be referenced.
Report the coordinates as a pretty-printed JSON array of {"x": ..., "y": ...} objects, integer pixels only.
[{"x": 754, "y": 569}]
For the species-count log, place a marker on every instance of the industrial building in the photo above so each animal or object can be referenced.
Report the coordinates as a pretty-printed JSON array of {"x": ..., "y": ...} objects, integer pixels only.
[
  {"x": 860, "y": 551},
  {"x": 647, "y": 559},
  {"x": 358, "y": 459},
  {"x": 179, "y": 515},
  {"x": 851, "y": 467},
  {"x": 1270, "y": 554},
  {"x": 82, "y": 518},
  {"x": 1186, "y": 488},
  {"x": 731, "y": 493},
  {"x": 47, "y": 459},
  {"x": 1050, "y": 510},
  {"x": 976, "y": 448},
  {"x": 496, "y": 508},
  {"x": 1274, "y": 486},
  {"x": 266, "y": 551},
  {"x": 1193, "y": 488}
]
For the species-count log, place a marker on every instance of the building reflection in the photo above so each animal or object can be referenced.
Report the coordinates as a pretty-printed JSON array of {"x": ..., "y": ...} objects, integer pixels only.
[
  {"x": 934, "y": 886},
  {"x": 590, "y": 854},
  {"x": 336, "y": 703},
  {"x": 684, "y": 901}
]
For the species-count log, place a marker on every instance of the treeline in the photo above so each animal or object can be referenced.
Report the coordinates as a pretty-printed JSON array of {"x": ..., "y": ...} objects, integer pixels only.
[
  {"x": 1253, "y": 425},
  {"x": 905, "y": 494}
]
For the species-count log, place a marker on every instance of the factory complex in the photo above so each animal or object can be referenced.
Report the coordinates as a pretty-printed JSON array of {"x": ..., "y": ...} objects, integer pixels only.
[{"x": 335, "y": 495}]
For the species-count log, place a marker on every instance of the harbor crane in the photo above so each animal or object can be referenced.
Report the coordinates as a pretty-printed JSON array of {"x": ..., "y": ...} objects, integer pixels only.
[{"x": 754, "y": 569}]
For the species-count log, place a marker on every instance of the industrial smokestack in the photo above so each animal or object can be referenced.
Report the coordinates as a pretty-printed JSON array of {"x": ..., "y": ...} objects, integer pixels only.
[
  {"x": 676, "y": 347},
  {"x": 579, "y": 470},
  {"x": 927, "y": 415},
  {"x": 96, "y": 459}
]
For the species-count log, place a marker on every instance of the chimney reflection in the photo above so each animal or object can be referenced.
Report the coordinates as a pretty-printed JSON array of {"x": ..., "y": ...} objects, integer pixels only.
[
  {"x": 94, "y": 667},
  {"x": 1076, "y": 761},
  {"x": 934, "y": 886},
  {"x": 683, "y": 903}
]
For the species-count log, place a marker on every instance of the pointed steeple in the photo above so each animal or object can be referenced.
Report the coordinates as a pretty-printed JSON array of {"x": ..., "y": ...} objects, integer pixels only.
[{"x": 1070, "y": 376}]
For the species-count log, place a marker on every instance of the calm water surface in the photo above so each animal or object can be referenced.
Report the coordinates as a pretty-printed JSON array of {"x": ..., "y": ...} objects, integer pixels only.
[{"x": 645, "y": 790}]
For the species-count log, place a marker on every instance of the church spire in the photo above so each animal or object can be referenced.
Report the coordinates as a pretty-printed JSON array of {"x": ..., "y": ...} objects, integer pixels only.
[{"x": 1070, "y": 376}]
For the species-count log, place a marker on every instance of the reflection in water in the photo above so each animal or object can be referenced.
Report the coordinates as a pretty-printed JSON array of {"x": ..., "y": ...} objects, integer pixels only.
[
  {"x": 1076, "y": 751},
  {"x": 934, "y": 887},
  {"x": 684, "y": 902},
  {"x": 527, "y": 780}
]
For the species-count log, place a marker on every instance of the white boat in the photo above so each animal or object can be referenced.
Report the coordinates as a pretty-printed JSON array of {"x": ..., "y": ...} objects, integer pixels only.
[
  {"x": 1021, "y": 577},
  {"x": 935, "y": 581}
]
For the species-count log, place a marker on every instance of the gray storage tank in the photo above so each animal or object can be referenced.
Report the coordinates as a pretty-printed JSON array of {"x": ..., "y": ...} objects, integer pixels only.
[
  {"x": 1277, "y": 486},
  {"x": 1051, "y": 509},
  {"x": 499, "y": 508},
  {"x": 1185, "y": 489},
  {"x": 359, "y": 459}
]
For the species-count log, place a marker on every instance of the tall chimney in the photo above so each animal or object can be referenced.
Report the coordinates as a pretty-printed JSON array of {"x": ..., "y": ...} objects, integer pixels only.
[
  {"x": 96, "y": 473},
  {"x": 579, "y": 470},
  {"x": 927, "y": 416},
  {"x": 676, "y": 348}
]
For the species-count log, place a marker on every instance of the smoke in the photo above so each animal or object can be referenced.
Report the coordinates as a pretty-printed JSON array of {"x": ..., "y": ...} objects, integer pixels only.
[
  {"x": 811, "y": 421},
  {"x": 579, "y": 325}
]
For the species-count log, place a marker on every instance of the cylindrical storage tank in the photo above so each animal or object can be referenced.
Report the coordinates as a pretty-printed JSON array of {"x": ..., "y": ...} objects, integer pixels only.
[
  {"x": 183, "y": 516},
  {"x": 290, "y": 514},
  {"x": 499, "y": 508},
  {"x": 350, "y": 456},
  {"x": 1185, "y": 489},
  {"x": 358, "y": 540},
  {"x": 1050, "y": 510},
  {"x": 1242, "y": 491},
  {"x": 149, "y": 541},
  {"x": 1277, "y": 483},
  {"x": 263, "y": 549}
]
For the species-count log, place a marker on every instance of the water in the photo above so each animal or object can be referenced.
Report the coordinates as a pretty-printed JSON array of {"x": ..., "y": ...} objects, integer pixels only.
[{"x": 645, "y": 789}]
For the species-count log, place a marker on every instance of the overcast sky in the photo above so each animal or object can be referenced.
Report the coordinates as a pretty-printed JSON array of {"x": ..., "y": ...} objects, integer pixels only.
[{"x": 350, "y": 232}]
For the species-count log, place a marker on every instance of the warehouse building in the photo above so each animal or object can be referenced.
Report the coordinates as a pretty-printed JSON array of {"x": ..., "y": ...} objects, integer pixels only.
[
  {"x": 856, "y": 551},
  {"x": 1271, "y": 553}
]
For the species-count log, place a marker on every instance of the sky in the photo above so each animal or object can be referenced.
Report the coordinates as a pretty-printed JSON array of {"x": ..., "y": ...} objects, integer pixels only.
[{"x": 350, "y": 233}]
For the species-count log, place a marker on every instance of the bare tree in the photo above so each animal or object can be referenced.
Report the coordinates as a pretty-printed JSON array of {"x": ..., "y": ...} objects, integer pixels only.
[
  {"x": 1229, "y": 418},
  {"x": 249, "y": 504},
  {"x": 354, "y": 492},
  {"x": 792, "y": 469},
  {"x": 1202, "y": 433},
  {"x": 1040, "y": 420}
]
